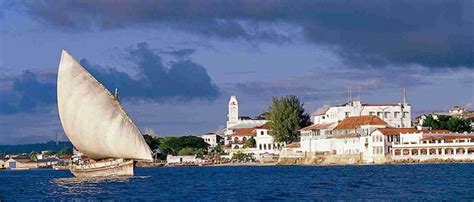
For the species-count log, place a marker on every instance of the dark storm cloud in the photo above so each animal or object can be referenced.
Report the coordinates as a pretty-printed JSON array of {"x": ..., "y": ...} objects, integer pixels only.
[
  {"x": 184, "y": 80},
  {"x": 430, "y": 33},
  {"x": 26, "y": 94}
]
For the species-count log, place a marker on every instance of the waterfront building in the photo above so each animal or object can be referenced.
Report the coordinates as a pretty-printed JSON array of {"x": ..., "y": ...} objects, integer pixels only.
[
  {"x": 425, "y": 145},
  {"x": 352, "y": 134},
  {"x": 170, "y": 159},
  {"x": 236, "y": 122},
  {"x": 351, "y": 137},
  {"x": 265, "y": 143},
  {"x": 395, "y": 115},
  {"x": 317, "y": 137},
  {"x": 240, "y": 137},
  {"x": 212, "y": 139}
]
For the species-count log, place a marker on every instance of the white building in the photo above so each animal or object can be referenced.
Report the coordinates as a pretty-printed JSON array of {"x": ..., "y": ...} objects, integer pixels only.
[
  {"x": 352, "y": 135},
  {"x": 191, "y": 159},
  {"x": 395, "y": 115},
  {"x": 265, "y": 142},
  {"x": 317, "y": 137},
  {"x": 235, "y": 121},
  {"x": 428, "y": 145},
  {"x": 240, "y": 137},
  {"x": 212, "y": 139}
]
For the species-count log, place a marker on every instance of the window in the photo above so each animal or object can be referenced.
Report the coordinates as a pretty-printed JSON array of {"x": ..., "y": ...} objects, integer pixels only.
[
  {"x": 396, "y": 114},
  {"x": 386, "y": 114},
  {"x": 405, "y": 114},
  {"x": 379, "y": 114},
  {"x": 348, "y": 114},
  {"x": 371, "y": 113},
  {"x": 261, "y": 132}
]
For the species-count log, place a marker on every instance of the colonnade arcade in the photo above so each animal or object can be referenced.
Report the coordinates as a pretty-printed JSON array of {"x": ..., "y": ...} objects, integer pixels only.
[{"x": 433, "y": 151}]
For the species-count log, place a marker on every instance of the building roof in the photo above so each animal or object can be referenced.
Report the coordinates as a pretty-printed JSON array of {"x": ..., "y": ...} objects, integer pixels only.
[
  {"x": 321, "y": 110},
  {"x": 446, "y": 136},
  {"x": 356, "y": 121},
  {"x": 293, "y": 145},
  {"x": 264, "y": 126},
  {"x": 247, "y": 124},
  {"x": 244, "y": 132},
  {"x": 317, "y": 126},
  {"x": 379, "y": 105},
  {"x": 397, "y": 131}
]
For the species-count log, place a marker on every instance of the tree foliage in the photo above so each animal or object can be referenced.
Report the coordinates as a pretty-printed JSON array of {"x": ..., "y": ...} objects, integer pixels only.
[
  {"x": 287, "y": 116},
  {"x": 250, "y": 143},
  {"x": 453, "y": 124},
  {"x": 173, "y": 145},
  {"x": 65, "y": 151},
  {"x": 152, "y": 141}
]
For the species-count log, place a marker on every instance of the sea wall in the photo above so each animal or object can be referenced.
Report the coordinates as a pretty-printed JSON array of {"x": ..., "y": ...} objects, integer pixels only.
[{"x": 313, "y": 158}]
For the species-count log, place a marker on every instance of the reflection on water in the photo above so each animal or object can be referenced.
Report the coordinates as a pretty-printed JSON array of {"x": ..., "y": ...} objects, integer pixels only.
[{"x": 90, "y": 186}]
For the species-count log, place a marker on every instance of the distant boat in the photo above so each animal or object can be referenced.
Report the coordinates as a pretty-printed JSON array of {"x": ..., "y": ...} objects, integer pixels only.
[{"x": 96, "y": 124}]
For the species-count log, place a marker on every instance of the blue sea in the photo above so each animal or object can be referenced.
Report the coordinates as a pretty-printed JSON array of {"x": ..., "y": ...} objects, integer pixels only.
[{"x": 405, "y": 182}]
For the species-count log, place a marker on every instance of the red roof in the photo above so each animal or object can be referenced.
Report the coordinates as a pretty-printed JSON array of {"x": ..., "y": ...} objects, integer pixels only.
[
  {"x": 244, "y": 132},
  {"x": 317, "y": 126},
  {"x": 293, "y": 145},
  {"x": 356, "y": 121},
  {"x": 397, "y": 131},
  {"x": 447, "y": 136}
]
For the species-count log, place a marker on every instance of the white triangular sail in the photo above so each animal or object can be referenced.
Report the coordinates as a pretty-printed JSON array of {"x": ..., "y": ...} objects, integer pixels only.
[{"x": 94, "y": 121}]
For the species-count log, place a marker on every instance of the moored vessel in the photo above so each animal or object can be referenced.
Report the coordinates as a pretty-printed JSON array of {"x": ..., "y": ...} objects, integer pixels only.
[{"x": 96, "y": 124}]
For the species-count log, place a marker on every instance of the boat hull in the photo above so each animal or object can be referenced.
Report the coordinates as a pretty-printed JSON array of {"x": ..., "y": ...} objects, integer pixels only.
[{"x": 117, "y": 167}]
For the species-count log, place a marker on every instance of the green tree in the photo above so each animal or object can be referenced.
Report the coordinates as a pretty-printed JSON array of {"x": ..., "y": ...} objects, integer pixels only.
[
  {"x": 431, "y": 122},
  {"x": 453, "y": 124},
  {"x": 186, "y": 151},
  {"x": 218, "y": 149},
  {"x": 459, "y": 125},
  {"x": 65, "y": 151},
  {"x": 33, "y": 156},
  {"x": 172, "y": 145},
  {"x": 152, "y": 141},
  {"x": 250, "y": 143},
  {"x": 287, "y": 116}
]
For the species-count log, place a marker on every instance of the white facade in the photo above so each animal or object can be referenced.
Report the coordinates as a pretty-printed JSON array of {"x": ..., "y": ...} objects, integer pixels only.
[
  {"x": 182, "y": 159},
  {"x": 425, "y": 146},
  {"x": 317, "y": 138},
  {"x": 396, "y": 115},
  {"x": 235, "y": 122},
  {"x": 211, "y": 138},
  {"x": 265, "y": 143}
]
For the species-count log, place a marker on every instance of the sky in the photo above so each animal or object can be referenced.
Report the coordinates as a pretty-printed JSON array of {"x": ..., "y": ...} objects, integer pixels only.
[{"x": 176, "y": 63}]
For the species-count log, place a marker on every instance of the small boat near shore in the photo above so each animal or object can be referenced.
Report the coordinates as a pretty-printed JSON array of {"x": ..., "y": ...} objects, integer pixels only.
[{"x": 96, "y": 124}]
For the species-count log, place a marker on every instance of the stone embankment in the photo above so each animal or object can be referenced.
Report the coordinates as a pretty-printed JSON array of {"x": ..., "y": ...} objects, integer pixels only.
[{"x": 321, "y": 159}]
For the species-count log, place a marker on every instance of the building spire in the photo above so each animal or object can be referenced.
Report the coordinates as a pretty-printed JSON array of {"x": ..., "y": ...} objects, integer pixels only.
[{"x": 404, "y": 101}]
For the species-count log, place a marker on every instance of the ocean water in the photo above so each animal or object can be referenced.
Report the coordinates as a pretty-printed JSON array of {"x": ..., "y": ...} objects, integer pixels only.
[{"x": 405, "y": 182}]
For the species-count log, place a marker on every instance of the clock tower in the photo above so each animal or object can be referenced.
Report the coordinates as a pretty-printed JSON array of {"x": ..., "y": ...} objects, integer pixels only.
[{"x": 233, "y": 114}]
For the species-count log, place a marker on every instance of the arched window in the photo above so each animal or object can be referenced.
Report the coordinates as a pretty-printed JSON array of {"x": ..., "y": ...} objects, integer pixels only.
[
  {"x": 236, "y": 147},
  {"x": 260, "y": 146},
  {"x": 264, "y": 147},
  {"x": 244, "y": 139},
  {"x": 236, "y": 139}
]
